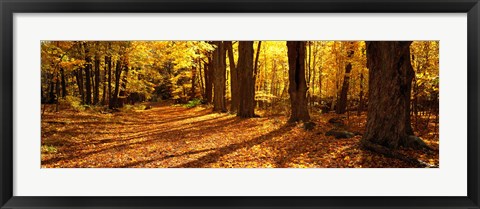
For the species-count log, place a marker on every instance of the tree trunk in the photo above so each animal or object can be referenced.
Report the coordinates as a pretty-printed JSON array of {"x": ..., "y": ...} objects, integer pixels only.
[
  {"x": 96, "y": 90},
  {"x": 109, "y": 82},
  {"x": 409, "y": 75},
  {"x": 88, "y": 68},
  {"x": 104, "y": 90},
  {"x": 57, "y": 91},
  {"x": 342, "y": 102},
  {"x": 320, "y": 86},
  {"x": 118, "y": 72},
  {"x": 208, "y": 70},
  {"x": 361, "y": 102},
  {"x": 123, "y": 90},
  {"x": 194, "y": 77},
  {"x": 219, "y": 79},
  {"x": 81, "y": 91},
  {"x": 255, "y": 68},
  {"x": 246, "y": 81},
  {"x": 64, "y": 85},
  {"x": 297, "y": 85},
  {"x": 202, "y": 81},
  {"x": 234, "y": 80},
  {"x": 389, "y": 94}
]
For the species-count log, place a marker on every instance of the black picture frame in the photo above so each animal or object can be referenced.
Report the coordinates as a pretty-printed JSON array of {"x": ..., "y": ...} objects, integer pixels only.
[{"x": 9, "y": 7}]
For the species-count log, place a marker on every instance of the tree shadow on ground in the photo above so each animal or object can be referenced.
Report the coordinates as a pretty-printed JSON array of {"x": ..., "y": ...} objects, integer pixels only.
[
  {"x": 175, "y": 135},
  {"x": 222, "y": 151}
]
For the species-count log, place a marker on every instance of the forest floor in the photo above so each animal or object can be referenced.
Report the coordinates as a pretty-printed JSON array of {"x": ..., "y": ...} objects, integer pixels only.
[{"x": 176, "y": 136}]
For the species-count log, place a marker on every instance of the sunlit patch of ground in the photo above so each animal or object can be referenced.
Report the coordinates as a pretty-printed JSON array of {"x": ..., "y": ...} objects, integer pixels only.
[{"x": 176, "y": 136}]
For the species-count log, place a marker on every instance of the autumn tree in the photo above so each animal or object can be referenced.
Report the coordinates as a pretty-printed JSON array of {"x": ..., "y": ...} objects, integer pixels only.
[
  {"x": 390, "y": 77},
  {"x": 219, "y": 79},
  {"x": 342, "y": 102},
  {"x": 96, "y": 90},
  {"x": 208, "y": 75},
  {"x": 88, "y": 69},
  {"x": 246, "y": 81},
  {"x": 297, "y": 84},
  {"x": 234, "y": 78}
]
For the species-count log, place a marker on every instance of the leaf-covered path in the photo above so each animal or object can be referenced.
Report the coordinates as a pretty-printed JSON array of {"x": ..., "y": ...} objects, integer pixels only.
[{"x": 176, "y": 136}]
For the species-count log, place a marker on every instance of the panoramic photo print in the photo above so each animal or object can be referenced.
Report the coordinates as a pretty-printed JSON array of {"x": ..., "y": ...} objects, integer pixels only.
[{"x": 240, "y": 104}]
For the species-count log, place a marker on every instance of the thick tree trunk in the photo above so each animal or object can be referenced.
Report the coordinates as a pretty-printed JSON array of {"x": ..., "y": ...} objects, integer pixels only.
[
  {"x": 297, "y": 87},
  {"x": 96, "y": 90},
  {"x": 246, "y": 81},
  {"x": 342, "y": 102},
  {"x": 410, "y": 74},
  {"x": 118, "y": 72},
  {"x": 219, "y": 79},
  {"x": 389, "y": 94},
  {"x": 63, "y": 82},
  {"x": 234, "y": 74}
]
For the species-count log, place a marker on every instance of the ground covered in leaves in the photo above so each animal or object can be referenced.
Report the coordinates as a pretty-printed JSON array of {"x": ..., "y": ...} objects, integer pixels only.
[{"x": 173, "y": 136}]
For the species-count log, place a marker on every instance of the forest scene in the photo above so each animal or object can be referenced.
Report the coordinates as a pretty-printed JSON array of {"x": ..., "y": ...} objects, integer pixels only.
[{"x": 240, "y": 104}]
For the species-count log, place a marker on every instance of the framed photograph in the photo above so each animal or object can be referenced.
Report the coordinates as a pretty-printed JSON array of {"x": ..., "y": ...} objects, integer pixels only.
[{"x": 239, "y": 104}]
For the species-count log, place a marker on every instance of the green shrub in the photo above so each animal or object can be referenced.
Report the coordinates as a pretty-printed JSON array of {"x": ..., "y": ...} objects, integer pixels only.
[{"x": 193, "y": 103}]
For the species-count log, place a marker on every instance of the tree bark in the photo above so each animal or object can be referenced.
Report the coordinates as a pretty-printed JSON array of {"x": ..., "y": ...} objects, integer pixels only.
[
  {"x": 361, "y": 102},
  {"x": 255, "y": 68},
  {"x": 219, "y": 79},
  {"x": 246, "y": 81},
  {"x": 64, "y": 85},
  {"x": 123, "y": 90},
  {"x": 342, "y": 102},
  {"x": 109, "y": 82},
  {"x": 234, "y": 74},
  {"x": 389, "y": 94},
  {"x": 194, "y": 77},
  {"x": 88, "y": 68},
  {"x": 200, "y": 78},
  {"x": 297, "y": 85},
  {"x": 208, "y": 71},
  {"x": 96, "y": 90},
  {"x": 104, "y": 90},
  {"x": 118, "y": 72},
  {"x": 79, "y": 76}
]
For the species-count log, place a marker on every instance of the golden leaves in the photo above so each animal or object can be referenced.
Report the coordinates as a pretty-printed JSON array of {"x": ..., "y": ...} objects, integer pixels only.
[{"x": 175, "y": 136}]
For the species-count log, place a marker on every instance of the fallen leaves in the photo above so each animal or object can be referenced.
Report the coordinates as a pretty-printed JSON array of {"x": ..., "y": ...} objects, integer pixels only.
[{"x": 173, "y": 136}]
